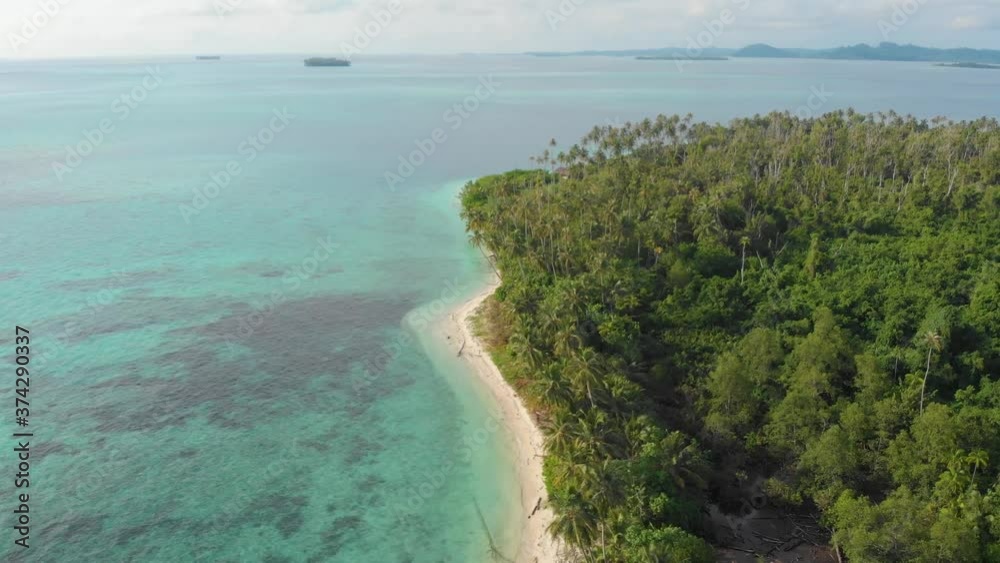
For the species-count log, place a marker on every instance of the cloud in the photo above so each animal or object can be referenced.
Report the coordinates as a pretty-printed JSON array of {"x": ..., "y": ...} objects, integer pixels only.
[
  {"x": 967, "y": 22},
  {"x": 975, "y": 17},
  {"x": 98, "y": 27},
  {"x": 319, "y": 6}
]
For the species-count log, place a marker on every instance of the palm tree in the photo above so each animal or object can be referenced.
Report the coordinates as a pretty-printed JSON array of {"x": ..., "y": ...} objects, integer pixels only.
[
  {"x": 744, "y": 241},
  {"x": 602, "y": 488},
  {"x": 575, "y": 521},
  {"x": 566, "y": 339},
  {"x": 933, "y": 340},
  {"x": 954, "y": 481},
  {"x": 559, "y": 437},
  {"x": 552, "y": 388},
  {"x": 586, "y": 374},
  {"x": 978, "y": 458},
  {"x": 526, "y": 354},
  {"x": 685, "y": 462}
]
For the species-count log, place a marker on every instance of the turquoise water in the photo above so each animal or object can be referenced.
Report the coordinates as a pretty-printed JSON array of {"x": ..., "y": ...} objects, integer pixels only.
[{"x": 223, "y": 372}]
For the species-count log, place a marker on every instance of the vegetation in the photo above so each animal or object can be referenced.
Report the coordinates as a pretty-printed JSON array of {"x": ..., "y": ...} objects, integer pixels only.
[
  {"x": 327, "y": 61},
  {"x": 681, "y": 58},
  {"x": 885, "y": 51},
  {"x": 970, "y": 65},
  {"x": 814, "y": 303}
]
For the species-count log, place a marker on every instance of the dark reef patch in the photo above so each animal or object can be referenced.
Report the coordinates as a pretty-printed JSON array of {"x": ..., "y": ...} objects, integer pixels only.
[
  {"x": 338, "y": 534},
  {"x": 117, "y": 281},
  {"x": 125, "y": 535},
  {"x": 283, "y": 512},
  {"x": 317, "y": 445},
  {"x": 69, "y": 528},
  {"x": 294, "y": 346},
  {"x": 370, "y": 483},
  {"x": 45, "y": 449}
]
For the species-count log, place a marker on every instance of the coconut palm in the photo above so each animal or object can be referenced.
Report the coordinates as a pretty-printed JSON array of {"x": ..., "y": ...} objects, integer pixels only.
[
  {"x": 978, "y": 459},
  {"x": 933, "y": 341},
  {"x": 526, "y": 354},
  {"x": 586, "y": 370},
  {"x": 560, "y": 433},
  {"x": 553, "y": 388},
  {"x": 576, "y": 521}
]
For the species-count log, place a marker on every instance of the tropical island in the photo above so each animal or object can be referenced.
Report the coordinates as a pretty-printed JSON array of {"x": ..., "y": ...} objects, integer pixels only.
[
  {"x": 663, "y": 52},
  {"x": 680, "y": 58},
  {"x": 969, "y": 65},
  {"x": 326, "y": 61},
  {"x": 781, "y": 322},
  {"x": 208, "y": 57},
  {"x": 885, "y": 51}
]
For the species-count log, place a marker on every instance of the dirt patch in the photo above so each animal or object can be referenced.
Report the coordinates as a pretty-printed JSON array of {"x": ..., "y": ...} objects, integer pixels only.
[{"x": 748, "y": 528}]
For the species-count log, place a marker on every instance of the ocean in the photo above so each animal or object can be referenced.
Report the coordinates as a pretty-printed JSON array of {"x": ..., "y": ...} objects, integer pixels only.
[{"x": 227, "y": 268}]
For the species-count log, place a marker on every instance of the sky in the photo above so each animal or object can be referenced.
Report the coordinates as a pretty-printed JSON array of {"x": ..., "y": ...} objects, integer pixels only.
[{"x": 84, "y": 28}]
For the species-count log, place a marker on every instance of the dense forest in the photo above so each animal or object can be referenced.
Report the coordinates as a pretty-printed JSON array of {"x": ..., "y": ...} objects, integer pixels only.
[
  {"x": 808, "y": 308},
  {"x": 885, "y": 51}
]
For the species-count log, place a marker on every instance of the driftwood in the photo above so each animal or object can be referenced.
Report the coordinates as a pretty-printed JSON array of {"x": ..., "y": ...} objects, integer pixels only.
[
  {"x": 791, "y": 544},
  {"x": 795, "y": 531},
  {"x": 804, "y": 535},
  {"x": 750, "y": 551},
  {"x": 538, "y": 505},
  {"x": 768, "y": 538}
]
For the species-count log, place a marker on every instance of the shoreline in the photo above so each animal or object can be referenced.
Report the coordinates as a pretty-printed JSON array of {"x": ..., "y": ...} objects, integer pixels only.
[{"x": 455, "y": 331}]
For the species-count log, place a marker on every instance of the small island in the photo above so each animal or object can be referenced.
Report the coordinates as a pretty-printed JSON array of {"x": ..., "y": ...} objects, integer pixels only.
[
  {"x": 208, "y": 57},
  {"x": 969, "y": 65},
  {"x": 681, "y": 58},
  {"x": 322, "y": 61}
]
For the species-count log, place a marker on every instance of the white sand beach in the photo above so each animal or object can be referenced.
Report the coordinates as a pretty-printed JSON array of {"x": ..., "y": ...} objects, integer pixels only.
[{"x": 536, "y": 545}]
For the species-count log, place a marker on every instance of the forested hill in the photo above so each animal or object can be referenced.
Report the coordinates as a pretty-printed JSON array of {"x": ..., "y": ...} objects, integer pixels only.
[
  {"x": 805, "y": 308},
  {"x": 885, "y": 51},
  {"x": 882, "y": 52}
]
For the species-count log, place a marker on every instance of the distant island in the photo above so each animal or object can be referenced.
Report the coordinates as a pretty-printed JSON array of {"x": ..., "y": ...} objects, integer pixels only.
[
  {"x": 882, "y": 52},
  {"x": 676, "y": 52},
  {"x": 208, "y": 57},
  {"x": 969, "y": 65},
  {"x": 322, "y": 61},
  {"x": 680, "y": 58}
]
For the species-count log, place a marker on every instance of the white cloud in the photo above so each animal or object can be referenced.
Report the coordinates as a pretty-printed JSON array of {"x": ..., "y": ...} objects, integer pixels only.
[
  {"x": 966, "y": 22},
  {"x": 132, "y": 27}
]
